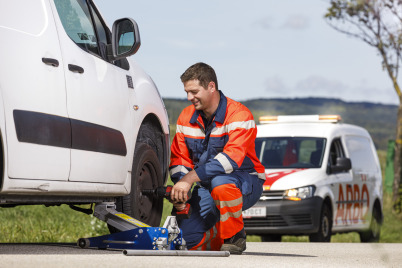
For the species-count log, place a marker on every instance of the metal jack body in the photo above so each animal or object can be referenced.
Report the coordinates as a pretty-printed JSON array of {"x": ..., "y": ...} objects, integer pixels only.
[
  {"x": 139, "y": 239},
  {"x": 134, "y": 234}
]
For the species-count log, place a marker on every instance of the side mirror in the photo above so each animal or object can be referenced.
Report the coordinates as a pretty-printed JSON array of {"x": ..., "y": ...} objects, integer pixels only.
[
  {"x": 125, "y": 38},
  {"x": 342, "y": 164}
]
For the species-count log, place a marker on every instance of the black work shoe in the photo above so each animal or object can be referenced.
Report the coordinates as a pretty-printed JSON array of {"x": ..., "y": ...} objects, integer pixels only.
[{"x": 236, "y": 244}]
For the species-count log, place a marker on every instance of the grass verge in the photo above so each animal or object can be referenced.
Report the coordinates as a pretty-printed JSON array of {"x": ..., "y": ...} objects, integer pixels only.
[{"x": 39, "y": 224}]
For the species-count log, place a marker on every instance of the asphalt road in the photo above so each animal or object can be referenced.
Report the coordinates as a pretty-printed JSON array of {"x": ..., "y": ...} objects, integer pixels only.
[{"x": 256, "y": 255}]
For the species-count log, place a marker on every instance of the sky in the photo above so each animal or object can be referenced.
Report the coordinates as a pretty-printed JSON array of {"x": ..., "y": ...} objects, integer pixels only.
[{"x": 258, "y": 48}]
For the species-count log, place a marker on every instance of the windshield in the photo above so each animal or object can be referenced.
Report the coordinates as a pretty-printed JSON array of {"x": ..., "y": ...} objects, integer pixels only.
[{"x": 290, "y": 152}]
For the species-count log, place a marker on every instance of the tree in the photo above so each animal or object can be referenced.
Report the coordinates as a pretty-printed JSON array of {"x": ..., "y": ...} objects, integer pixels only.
[{"x": 378, "y": 23}]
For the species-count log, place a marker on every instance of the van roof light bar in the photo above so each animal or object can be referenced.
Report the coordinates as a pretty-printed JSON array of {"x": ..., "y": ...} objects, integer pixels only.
[{"x": 300, "y": 119}]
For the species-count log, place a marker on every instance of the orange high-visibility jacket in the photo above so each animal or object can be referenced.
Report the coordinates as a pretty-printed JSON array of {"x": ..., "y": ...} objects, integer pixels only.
[{"x": 228, "y": 145}]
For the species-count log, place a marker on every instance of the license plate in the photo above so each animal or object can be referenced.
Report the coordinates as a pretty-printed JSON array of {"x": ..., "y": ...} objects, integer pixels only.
[{"x": 255, "y": 212}]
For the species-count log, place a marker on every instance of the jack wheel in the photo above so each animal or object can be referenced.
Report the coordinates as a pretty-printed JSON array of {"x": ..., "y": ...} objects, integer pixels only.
[{"x": 83, "y": 243}]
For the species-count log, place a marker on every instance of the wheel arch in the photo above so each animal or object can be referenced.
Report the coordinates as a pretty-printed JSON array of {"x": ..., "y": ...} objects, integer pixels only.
[
  {"x": 327, "y": 201},
  {"x": 325, "y": 192},
  {"x": 325, "y": 223},
  {"x": 152, "y": 133},
  {"x": 3, "y": 144},
  {"x": 377, "y": 205},
  {"x": 149, "y": 113},
  {"x": 2, "y": 160}
]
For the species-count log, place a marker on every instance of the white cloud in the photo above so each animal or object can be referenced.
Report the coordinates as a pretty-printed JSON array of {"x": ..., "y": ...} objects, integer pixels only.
[
  {"x": 265, "y": 23},
  {"x": 319, "y": 86},
  {"x": 364, "y": 91},
  {"x": 322, "y": 86},
  {"x": 296, "y": 22},
  {"x": 193, "y": 44},
  {"x": 275, "y": 86},
  {"x": 183, "y": 44}
]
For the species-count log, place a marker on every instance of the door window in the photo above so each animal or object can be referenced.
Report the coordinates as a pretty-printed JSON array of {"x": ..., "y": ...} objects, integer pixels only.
[
  {"x": 75, "y": 15},
  {"x": 103, "y": 34},
  {"x": 335, "y": 151},
  {"x": 76, "y": 19}
]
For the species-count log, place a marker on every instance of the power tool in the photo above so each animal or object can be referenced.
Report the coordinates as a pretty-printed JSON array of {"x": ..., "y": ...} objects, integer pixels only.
[{"x": 165, "y": 191}]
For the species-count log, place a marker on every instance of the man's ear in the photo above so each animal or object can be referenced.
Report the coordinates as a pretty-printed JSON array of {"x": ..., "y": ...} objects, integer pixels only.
[{"x": 212, "y": 86}]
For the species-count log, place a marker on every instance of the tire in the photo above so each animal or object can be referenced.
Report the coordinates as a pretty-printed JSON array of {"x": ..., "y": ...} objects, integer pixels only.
[
  {"x": 271, "y": 238},
  {"x": 146, "y": 174},
  {"x": 325, "y": 229},
  {"x": 373, "y": 233}
]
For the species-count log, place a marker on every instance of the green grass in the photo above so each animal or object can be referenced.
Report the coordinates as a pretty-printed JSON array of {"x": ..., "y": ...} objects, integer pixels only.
[
  {"x": 33, "y": 224},
  {"x": 390, "y": 230}
]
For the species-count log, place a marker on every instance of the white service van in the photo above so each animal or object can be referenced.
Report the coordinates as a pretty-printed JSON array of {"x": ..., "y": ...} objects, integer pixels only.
[
  {"x": 322, "y": 177},
  {"x": 80, "y": 122}
]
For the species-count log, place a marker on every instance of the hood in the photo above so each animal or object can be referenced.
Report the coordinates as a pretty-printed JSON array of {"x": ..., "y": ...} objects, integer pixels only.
[{"x": 282, "y": 179}]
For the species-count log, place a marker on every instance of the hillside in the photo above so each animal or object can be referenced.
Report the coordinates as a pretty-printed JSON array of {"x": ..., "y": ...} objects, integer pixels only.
[{"x": 378, "y": 119}]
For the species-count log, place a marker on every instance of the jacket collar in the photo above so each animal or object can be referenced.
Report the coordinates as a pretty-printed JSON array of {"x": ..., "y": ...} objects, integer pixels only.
[{"x": 220, "y": 111}]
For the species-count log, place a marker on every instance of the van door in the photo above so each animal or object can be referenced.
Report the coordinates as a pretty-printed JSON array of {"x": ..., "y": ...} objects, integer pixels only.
[
  {"x": 341, "y": 186},
  {"x": 365, "y": 170},
  {"x": 97, "y": 96},
  {"x": 33, "y": 89}
]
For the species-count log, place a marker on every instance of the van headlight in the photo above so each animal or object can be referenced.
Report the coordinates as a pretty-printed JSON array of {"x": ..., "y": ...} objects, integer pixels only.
[{"x": 298, "y": 194}]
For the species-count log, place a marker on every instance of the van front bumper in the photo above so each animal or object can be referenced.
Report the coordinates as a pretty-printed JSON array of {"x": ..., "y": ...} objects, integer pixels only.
[{"x": 286, "y": 217}]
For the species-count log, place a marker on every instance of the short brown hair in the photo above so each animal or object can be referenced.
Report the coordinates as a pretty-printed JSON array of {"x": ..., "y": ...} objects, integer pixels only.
[{"x": 202, "y": 72}]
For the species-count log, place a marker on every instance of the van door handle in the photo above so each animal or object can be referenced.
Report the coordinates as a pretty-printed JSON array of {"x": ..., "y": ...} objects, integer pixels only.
[
  {"x": 75, "y": 68},
  {"x": 50, "y": 61}
]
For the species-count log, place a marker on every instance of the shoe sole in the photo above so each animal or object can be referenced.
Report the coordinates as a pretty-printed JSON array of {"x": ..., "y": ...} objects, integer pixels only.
[{"x": 234, "y": 249}]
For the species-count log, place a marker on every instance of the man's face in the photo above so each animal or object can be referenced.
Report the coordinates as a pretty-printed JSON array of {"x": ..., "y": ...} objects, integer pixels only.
[{"x": 199, "y": 96}]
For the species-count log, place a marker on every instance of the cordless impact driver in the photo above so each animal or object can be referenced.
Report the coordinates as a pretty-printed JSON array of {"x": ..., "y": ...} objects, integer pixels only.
[{"x": 164, "y": 192}]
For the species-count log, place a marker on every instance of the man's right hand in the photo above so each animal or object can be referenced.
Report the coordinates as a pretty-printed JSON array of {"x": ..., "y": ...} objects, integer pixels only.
[
  {"x": 179, "y": 206},
  {"x": 182, "y": 187}
]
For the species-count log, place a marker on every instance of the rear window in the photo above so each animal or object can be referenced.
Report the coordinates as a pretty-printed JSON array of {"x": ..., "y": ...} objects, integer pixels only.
[
  {"x": 361, "y": 154},
  {"x": 290, "y": 152}
]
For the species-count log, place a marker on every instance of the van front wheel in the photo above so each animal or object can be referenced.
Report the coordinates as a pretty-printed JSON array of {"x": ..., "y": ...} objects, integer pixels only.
[
  {"x": 325, "y": 229},
  {"x": 146, "y": 174}
]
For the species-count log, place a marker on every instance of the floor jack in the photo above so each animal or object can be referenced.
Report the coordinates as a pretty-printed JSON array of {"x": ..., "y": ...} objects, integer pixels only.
[{"x": 139, "y": 239}]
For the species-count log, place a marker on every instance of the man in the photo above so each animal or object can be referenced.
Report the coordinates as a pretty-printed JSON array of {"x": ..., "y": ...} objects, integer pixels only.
[{"x": 214, "y": 147}]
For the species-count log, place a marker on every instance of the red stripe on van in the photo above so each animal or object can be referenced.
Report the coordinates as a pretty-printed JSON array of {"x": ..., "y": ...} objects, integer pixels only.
[{"x": 273, "y": 177}]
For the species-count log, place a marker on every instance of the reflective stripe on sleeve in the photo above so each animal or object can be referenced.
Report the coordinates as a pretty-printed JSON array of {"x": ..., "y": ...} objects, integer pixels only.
[
  {"x": 232, "y": 126},
  {"x": 224, "y": 161},
  {"x": 189, "y": 131},
  {"x": 178, "y": 169}
]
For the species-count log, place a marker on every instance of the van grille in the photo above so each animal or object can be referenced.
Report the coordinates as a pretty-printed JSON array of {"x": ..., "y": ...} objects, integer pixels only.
[
  {"x": 271, "y": 195},
  {"x": 301, "y": 219},
  {"x": 269, "y": 221}
]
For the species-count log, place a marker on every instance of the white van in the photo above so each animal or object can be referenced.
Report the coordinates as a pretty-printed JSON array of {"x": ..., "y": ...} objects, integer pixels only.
[
  {"x": 80, "y": 122},
  {"x": 322, "y": 177}
]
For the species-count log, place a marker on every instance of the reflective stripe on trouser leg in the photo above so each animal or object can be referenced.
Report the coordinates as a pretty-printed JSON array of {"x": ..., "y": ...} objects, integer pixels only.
[
  {"x": 210, "y": 241},
  {"x": 229, "y": 201},
  {"x": 204, "y": 217}
]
